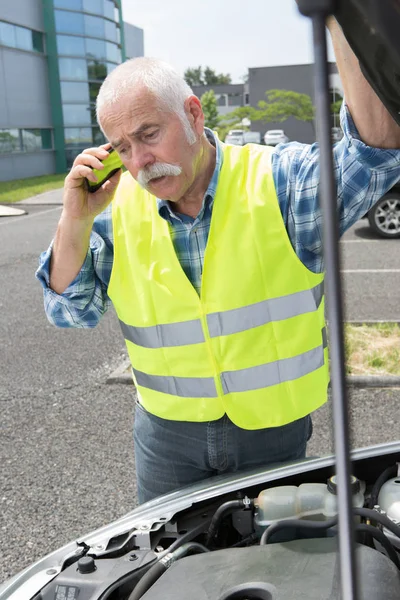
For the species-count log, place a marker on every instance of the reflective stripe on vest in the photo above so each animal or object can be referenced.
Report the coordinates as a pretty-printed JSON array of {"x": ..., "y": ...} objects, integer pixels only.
[
  {"x": 227, "y": 322},
  {"x": 244, "y": 380}
]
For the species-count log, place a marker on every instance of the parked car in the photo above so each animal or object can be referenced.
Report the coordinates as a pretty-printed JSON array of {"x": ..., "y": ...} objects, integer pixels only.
[
  {"x": 337, "y": 134},
  {"x": 275, "y": 136},
  {"x": 235, "y": 137},
  {"x": 384, "y": 216},
  {"x": 239, "y": 137}
]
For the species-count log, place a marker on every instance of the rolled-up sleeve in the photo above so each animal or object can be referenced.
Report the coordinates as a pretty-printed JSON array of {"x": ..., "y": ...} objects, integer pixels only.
[{"x": 85, "y": 300}]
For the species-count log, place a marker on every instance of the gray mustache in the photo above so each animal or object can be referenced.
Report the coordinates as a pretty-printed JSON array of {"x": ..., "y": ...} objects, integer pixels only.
[{"x": 157, "y": 170}]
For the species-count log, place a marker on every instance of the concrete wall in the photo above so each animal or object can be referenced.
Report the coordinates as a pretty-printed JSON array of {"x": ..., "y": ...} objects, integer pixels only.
[
  {"x": 134, "y": 41},
  {"x": 26, "y": 164}
]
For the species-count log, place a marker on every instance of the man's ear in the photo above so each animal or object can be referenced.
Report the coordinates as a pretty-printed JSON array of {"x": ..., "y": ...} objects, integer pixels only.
[{"x": 195, "y": 114}]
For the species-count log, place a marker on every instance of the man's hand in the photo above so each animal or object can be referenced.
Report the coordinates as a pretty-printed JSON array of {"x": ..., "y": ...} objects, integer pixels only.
[
  {"x": 79, "y": 204},
  {"x": 72, "y": 238}
]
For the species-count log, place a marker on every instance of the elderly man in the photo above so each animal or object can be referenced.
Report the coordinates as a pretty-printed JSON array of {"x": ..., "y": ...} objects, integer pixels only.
[{"x": 212, "y": 257}]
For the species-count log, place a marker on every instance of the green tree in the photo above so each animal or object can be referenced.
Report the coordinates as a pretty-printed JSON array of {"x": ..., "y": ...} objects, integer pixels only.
[
  {"x": 282, "y": 104},
  {"x": 198, "y": 76},
  {"x": 213, "y": 78},
  {"x": 233, "y": 120},
  {"x": 194, "y": 76},
  {"x": 210, "y": 109}
]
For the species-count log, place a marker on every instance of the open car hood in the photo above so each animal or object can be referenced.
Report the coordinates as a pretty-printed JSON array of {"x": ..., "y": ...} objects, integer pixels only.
[{"x": 372, "y": 30}]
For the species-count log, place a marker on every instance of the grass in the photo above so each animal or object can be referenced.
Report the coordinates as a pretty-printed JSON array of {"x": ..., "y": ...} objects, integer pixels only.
[
  {"x": 20, "y": 189},
  {"x": 373, "y": 349}
]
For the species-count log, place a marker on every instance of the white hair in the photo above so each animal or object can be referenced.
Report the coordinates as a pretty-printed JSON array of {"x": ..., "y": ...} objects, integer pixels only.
[{"x": 155, "y": 75}]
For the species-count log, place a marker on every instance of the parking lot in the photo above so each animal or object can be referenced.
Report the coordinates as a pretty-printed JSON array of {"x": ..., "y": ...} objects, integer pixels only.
[
  {"x": 66, "y": 445},
  {"x": 371, "y": 275}
]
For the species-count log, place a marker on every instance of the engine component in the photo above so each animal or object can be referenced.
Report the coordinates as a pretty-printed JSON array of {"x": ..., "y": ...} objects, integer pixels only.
[
  {"x": 389, "y": 503},
  {"x": 275, "y": 571},
  {"x": 315, "y": 500}
]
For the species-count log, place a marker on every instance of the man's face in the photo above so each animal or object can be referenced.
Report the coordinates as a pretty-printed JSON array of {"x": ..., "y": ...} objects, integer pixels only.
[{"x": 147, "y": 136}]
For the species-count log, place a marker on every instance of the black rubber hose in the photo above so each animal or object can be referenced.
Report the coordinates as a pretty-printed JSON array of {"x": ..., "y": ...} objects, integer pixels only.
[
  {"x": 301, "y": 524},
  {"x": 219, "y": 514},
  {"x": 155, "y": 572},
  {"x": 382, "y": 539},
  {"x": 187, "y": 537},
  {"x": 373, "y": 515},
  {"x": 245, "y": 541},
  {"x": 191, "y": 547},
  {"x": 383, "y": 477},
  {"x": 148, "y": 579}
]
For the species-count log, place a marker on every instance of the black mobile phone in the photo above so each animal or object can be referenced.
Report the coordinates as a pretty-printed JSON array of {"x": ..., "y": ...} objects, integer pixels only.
[{"x": 112, "y": 163}]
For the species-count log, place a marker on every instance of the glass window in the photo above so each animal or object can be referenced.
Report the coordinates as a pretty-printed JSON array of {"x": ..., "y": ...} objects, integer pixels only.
[
  {"x": 93, "y": 91},
  {"x": 72, "y": 68},
  {"x": 110, "y": 31},
  {"x": 97, "y": 70},
  {"x": 66, "y": 44},
  {"x": 110, "y": 67},
  {"x": 109, "y": 9},
  {"x": 76, "y": 140},
  {"x": 71, "y": 4},
  {"x": 94, "y": 26},
  {"x": 98, "y": 137},
  {"x": 93, "y": 6},
  {"x": 77, "y": 135},
  {"x": 24, "y": 38},
  {"x": 31, "y": 140},
  {"x": 113, "y": 52},
  {"x": 234, "y": 100},
  {"x": 68, "y": 22},
  {"x": 37, "y": 41},
  {"x": 7, "y": 34},
  {"x": 9, "y": 141},
  {"x": 76, "y": 114},
  {"x": 95, "y": 48},
  {"x": 73, "y": 91}
]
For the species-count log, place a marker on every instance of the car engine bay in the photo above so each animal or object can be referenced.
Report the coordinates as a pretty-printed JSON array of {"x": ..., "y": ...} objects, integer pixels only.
[{"x": 278, "y": 542}]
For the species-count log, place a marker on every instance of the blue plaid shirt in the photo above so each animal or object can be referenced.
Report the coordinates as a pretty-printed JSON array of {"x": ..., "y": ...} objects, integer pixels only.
[{"x": 363, "y": 175}]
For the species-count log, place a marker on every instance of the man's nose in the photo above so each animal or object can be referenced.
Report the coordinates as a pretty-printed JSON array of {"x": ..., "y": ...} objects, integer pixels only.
[{"x": 141, "y": 159}]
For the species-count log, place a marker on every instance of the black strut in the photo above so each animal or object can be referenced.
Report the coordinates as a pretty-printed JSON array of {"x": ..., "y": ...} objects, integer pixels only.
[{"x": 319, "y": 11}]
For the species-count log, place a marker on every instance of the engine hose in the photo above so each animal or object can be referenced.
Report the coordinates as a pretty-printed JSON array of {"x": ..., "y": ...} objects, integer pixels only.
[
  {"x": 191, "y": 547},
  {"x": 382, "y": 539},
  {"x": 360, "y": 527},
  {"x": 147, "y": 580},
  {"x": 155, "y": 571},
  {"x": 316, "y": 525},
  {"x": 373, "y": 515},
  {"x": 383, "y": 477},
  {"x": 221, "y": 512}
]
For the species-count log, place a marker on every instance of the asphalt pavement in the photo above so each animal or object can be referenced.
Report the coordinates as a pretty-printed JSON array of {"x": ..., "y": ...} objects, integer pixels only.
[
  {"x": 66, "y": 446},
  {"x": 371, "y": 275}
]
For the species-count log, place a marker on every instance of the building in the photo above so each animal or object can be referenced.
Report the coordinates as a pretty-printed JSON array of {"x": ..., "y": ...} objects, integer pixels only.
[
  {"x": 297, "y": 78},
  {"x": 54, "y": 54},
  {"x": 229, "y": 96}
]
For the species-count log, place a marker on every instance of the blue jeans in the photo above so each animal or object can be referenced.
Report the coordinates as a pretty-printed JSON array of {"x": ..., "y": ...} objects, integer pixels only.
[{"x": 173, "y": 454}]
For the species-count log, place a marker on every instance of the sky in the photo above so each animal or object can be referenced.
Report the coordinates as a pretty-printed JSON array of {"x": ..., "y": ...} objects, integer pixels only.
[{"x": 228, "y": 35}]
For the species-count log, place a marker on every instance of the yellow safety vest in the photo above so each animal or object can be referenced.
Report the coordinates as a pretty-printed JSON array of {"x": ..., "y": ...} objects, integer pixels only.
[{"x": 253, "y": 345}]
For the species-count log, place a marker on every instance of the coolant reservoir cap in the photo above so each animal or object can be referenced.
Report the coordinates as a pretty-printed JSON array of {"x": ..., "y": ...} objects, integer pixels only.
[{"x": 354, "y": 484}]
